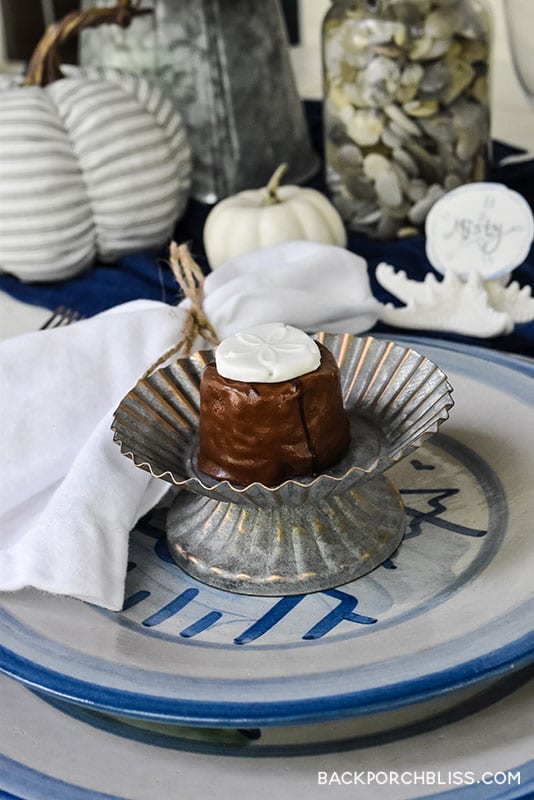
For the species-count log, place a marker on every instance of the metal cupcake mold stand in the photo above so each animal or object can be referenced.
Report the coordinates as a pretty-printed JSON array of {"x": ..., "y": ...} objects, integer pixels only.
[{"x": 306, "y": 534}]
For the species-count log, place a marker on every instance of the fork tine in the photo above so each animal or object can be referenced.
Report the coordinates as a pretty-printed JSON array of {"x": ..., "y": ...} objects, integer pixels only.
[
  {"x": 54, "y": 319},
  {"x": 67, "y": 318},
  {"x": 61, "y": 316}
]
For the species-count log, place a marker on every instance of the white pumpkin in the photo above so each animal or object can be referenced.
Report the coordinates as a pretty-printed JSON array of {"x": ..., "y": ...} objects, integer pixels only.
[
  {"x": 257, "y": 218},
  {"x": 96, "y": 164}
]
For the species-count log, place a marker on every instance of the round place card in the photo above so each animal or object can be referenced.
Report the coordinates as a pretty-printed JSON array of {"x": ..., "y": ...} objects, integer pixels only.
[{"x": 481, "y": 228}]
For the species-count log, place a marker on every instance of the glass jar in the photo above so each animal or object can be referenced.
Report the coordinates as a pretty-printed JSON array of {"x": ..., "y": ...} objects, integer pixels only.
[{"x": 406, "y": 107}]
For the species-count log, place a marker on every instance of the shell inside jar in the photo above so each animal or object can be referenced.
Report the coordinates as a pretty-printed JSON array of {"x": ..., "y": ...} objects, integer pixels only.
[{"x": 406, "y": 108}]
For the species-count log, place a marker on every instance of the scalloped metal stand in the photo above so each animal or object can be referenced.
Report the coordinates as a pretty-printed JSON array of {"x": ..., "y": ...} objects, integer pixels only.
[
  {"x": 286, "y": 550},
  {"x": 308, "y": 534}
]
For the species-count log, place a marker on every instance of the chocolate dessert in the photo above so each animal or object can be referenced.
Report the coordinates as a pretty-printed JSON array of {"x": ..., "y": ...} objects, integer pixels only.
[{"x": 271, "y": 431}]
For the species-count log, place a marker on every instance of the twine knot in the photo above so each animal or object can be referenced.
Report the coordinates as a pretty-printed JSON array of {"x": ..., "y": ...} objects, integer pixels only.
[{"x": 190, "y": 278}]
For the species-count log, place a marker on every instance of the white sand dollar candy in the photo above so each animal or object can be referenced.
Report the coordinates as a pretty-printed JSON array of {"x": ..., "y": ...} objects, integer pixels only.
[{"x": 267, "y": 353}]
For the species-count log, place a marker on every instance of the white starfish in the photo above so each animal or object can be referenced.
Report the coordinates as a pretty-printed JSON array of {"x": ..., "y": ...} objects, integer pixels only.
[
  {"x": 473, "y": 307},
  {"x": 515, "y": 300}
]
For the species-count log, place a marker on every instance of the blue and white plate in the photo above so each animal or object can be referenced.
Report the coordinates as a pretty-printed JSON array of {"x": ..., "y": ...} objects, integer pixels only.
[
  {"x": 50, "y": 750},
  {"x": 451, "y": 609}
]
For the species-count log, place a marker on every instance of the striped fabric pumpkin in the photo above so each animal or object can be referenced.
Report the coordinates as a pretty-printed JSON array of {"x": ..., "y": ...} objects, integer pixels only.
[{"x": 94, "y": 165}]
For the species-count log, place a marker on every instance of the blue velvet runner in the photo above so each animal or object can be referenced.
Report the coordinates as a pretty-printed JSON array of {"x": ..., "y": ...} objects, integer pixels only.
[{"x": 145, "y": 274}]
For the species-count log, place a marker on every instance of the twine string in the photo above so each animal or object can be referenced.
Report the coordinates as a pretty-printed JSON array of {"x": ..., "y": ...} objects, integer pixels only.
[{"x": 190, "y": 278}]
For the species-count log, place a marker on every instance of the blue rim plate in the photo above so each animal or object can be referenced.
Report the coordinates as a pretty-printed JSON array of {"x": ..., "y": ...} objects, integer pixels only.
[
  {"x": 53, "y": 750},
  {"x": 453, "y": 607}
]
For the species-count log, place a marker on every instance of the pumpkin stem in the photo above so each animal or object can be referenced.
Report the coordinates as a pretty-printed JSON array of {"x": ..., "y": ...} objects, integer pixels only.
[
  {"x": 44, "y": 67},
  {"x": 274, "y": 185}
]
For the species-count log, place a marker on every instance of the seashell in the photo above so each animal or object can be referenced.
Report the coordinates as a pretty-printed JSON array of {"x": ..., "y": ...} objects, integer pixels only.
[
  {"x": 350, "y": 154},
  {"x": 337, "y": 158},
  {"x": 355, "y": 47},
  {"x": 430, "y": 167},
  {"x": 402, "y": 176},
  {"x": 388, "y": 50},
  {"x": 356, "y": 13},
  {"x": 439, "y": 128},
  {"x": 332, "y": 26},
  {"x": 443, "y": 22},
  {"x": 397, "y": 212},
  {"x": 452, "y": 181},
  {"x": 469, "y": 124},
  {"x": 421, "y": 48},
  {"x": 419, "y": 211},
  {"x": 480, "y": 169},
  {"x": 354, "y": 224},
  {"x": 403, "y": 122},
  {"x": 374, "y": 165},
  {"x": 346, "y": 114},
  {"x": 363, "y": 207},
  {"x": 360, "y": 186},
  {"x": 411, "y": 13},
  {"x": 388, "y": 189},
  {"x": 401, "y": 133},
  {"x": 451, "y": 163},
  {"x": 473, "y": 25},
  {"x": 412, "y": 74},
  {"x": 379, "y": 31},
  {"x": 400, "y": 37},
  {"x": 406, "y": 161},
  {"x": 336, "y": 99},
  {"x": 358, "y": 59},
  {"x": 343, "y": 200},
  {"x": 406, "y": 231},
  {"x": 474, "y": 50},
  {"x": 435, "y": 78},
  {"x": 371, "y": 218},
  {"x": 468, "y": 143},
  {"x": 455, "y": 49},
  {"x": 379, "y": 82},
  {"x": 417, "y": 189},
  {"x": 353, "y": 93},
  {"x": 439, "y": 48},
  {"x": 480, "y": 90},
  {"x": 352, "y": 39},
  {"x": 334, "y": 55},
  {"x": 365, "y": 127},
  {"x": 387, "y": 227},
  {"x": 405, "y": 93},
  {"x": 335, "y": 131},
  {"x": 421, "y": 108},
  {"x": 462, "y": 73},
  {"x": 466, "y": 114},
  {"x": 391, "y": 139}
]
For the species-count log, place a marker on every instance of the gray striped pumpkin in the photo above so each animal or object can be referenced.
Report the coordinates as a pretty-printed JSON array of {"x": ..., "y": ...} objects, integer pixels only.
[{"x": 96, "y": 164}]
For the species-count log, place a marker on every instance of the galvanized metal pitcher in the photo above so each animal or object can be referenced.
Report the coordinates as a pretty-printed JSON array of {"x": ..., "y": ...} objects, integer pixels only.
[{"x": 225, "y": 64}]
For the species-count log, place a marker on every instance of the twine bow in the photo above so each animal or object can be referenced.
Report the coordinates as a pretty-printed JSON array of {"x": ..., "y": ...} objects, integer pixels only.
[{"x": 190, "y": 278}]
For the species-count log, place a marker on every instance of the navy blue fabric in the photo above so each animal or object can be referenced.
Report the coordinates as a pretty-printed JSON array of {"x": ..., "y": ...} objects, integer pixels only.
[{"x": 145, "y": 274}]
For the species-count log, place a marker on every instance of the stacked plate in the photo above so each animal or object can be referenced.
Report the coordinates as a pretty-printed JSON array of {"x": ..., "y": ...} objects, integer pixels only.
[{"x": 412, "y": 667}]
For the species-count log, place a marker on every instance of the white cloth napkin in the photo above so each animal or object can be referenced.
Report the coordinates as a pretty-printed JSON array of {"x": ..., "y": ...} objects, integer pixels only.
[{"x": 68, "y": 497}]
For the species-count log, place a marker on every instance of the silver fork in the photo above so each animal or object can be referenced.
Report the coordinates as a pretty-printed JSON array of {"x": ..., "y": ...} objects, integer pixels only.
[{"x": 61, "y": 316}]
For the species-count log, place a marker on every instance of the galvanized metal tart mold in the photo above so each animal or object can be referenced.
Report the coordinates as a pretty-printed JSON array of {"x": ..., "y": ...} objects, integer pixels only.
[{"x": 306, "y": 534}]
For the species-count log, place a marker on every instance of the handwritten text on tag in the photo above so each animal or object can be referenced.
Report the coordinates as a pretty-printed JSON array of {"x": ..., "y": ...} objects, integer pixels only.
[{"x": 483, "y": 228}]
